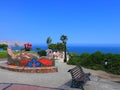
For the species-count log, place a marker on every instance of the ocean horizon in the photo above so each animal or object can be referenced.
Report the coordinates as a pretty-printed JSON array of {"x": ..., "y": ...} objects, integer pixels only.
[{"x": 80, "y": 49}]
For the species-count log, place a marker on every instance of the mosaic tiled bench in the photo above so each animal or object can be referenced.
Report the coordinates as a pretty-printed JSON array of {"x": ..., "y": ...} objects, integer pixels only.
[{"x": 50, "y": 69}]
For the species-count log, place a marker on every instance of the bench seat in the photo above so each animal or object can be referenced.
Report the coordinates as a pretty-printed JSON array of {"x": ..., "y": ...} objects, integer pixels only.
[{"x": 79, "y": 78}]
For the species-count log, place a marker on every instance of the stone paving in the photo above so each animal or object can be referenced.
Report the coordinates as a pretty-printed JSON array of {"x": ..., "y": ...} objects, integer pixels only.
[{"x": 60, "y": 80}]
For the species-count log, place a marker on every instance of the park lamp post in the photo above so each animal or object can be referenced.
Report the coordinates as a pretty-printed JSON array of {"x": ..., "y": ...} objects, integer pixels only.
[
  {"x": 63, "y": 38},
  {"x": 65, "y": 58}
]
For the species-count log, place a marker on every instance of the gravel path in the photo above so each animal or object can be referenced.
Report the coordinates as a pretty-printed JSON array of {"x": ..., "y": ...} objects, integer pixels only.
[{"x": 60, "y": 79}]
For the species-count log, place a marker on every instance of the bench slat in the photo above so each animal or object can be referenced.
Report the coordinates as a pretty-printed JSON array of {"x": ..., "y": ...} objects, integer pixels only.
[{"x": 78, "y": 76}]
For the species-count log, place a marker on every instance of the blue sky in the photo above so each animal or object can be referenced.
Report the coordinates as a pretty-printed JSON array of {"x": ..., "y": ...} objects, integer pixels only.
[{"x": 85, "y": 22}]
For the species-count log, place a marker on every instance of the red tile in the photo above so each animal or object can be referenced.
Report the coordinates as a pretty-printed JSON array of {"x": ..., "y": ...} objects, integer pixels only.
[
  {"x": 2, "y": 86},
  {"x": 27, "y": 87}
]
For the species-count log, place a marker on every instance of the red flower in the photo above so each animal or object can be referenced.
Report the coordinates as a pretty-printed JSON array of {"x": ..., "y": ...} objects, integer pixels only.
[{"x": 28, "y": 45}]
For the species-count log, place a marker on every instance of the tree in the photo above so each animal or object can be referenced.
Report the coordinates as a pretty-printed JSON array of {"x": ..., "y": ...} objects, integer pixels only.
[
  {"x": 3, "y": 46},
  {"x": 52, "y": 46},
  {"x": 60, "y": 47},
  {"x": 49, "y": 40}
]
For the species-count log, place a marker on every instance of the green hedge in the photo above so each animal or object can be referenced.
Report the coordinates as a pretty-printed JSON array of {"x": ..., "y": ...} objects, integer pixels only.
[
  {"x": 42, "y": 53},
  {"x": 74, "y": 59},
  {"x": 96, "y": 61}
]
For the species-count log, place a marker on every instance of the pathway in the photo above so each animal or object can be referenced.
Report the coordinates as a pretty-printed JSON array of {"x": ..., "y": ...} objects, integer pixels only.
[{"x": 60, "y": 80}]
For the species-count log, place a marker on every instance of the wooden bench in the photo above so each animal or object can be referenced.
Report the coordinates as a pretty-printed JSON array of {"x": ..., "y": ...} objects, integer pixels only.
[{"x": 79, "y": 78}]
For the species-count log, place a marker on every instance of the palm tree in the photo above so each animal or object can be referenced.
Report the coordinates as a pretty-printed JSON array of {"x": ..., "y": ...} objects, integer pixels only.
[
  {"x": 64, "y": 38},
  {"x": 48, "y": 41}
]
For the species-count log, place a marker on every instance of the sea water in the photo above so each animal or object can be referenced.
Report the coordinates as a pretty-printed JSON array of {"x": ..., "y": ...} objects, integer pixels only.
[{"x": 81, "y": 49}]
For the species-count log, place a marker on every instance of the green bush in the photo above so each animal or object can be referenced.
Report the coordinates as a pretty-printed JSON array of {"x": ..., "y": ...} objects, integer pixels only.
[
  {"x": 3, "y": 46},
  {"x": 42, "y": 53},
  {"x": 84, "y": 59},
  {"x": 96, "y": 61},
  {"x": 74, "y": 59},
  {"x": 114, "y": 64}
]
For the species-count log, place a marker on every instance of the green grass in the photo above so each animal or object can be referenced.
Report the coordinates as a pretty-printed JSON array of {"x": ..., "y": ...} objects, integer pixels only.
[
  {"x": 18, "y": 52},
  {"x": 3, "y": 54}
]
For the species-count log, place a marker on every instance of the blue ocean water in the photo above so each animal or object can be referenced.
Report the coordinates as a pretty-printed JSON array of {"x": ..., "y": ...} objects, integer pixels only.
[
  {"x": 82, "y": 49},
  {"x": 92, "y": 49}
]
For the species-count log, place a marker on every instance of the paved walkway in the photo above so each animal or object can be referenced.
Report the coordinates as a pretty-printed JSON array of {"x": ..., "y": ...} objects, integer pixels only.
[{"x": 60, "y": 80}]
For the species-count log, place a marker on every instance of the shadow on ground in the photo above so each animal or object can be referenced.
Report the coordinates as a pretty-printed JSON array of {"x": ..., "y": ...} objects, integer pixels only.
[{"x": 67, "y": 86}]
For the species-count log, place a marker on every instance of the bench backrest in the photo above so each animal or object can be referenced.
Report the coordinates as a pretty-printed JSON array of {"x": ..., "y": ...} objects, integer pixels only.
[{"x": 76, "y": 72}]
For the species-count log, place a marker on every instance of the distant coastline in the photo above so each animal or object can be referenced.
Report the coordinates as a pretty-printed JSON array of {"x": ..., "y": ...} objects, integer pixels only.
[{"x": 12, "y": 43}]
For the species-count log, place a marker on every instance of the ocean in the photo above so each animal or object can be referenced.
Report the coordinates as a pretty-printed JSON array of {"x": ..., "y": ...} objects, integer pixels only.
[
  {"x": 92, "y": 49},
  {"x": 81, "y": 49}
]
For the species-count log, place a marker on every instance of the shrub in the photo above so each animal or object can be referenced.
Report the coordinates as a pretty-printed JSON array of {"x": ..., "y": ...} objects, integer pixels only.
[
  {"x": 84, "y": 58},
  {"x": 96, "y": 61},
  {"x": 42, "y": 53},
  {"x": 74, "y": 59},
  {"x": 97, "y": 57},
  {"x": 114, "y": 64},
  {"x": 3, "y": 46}
]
